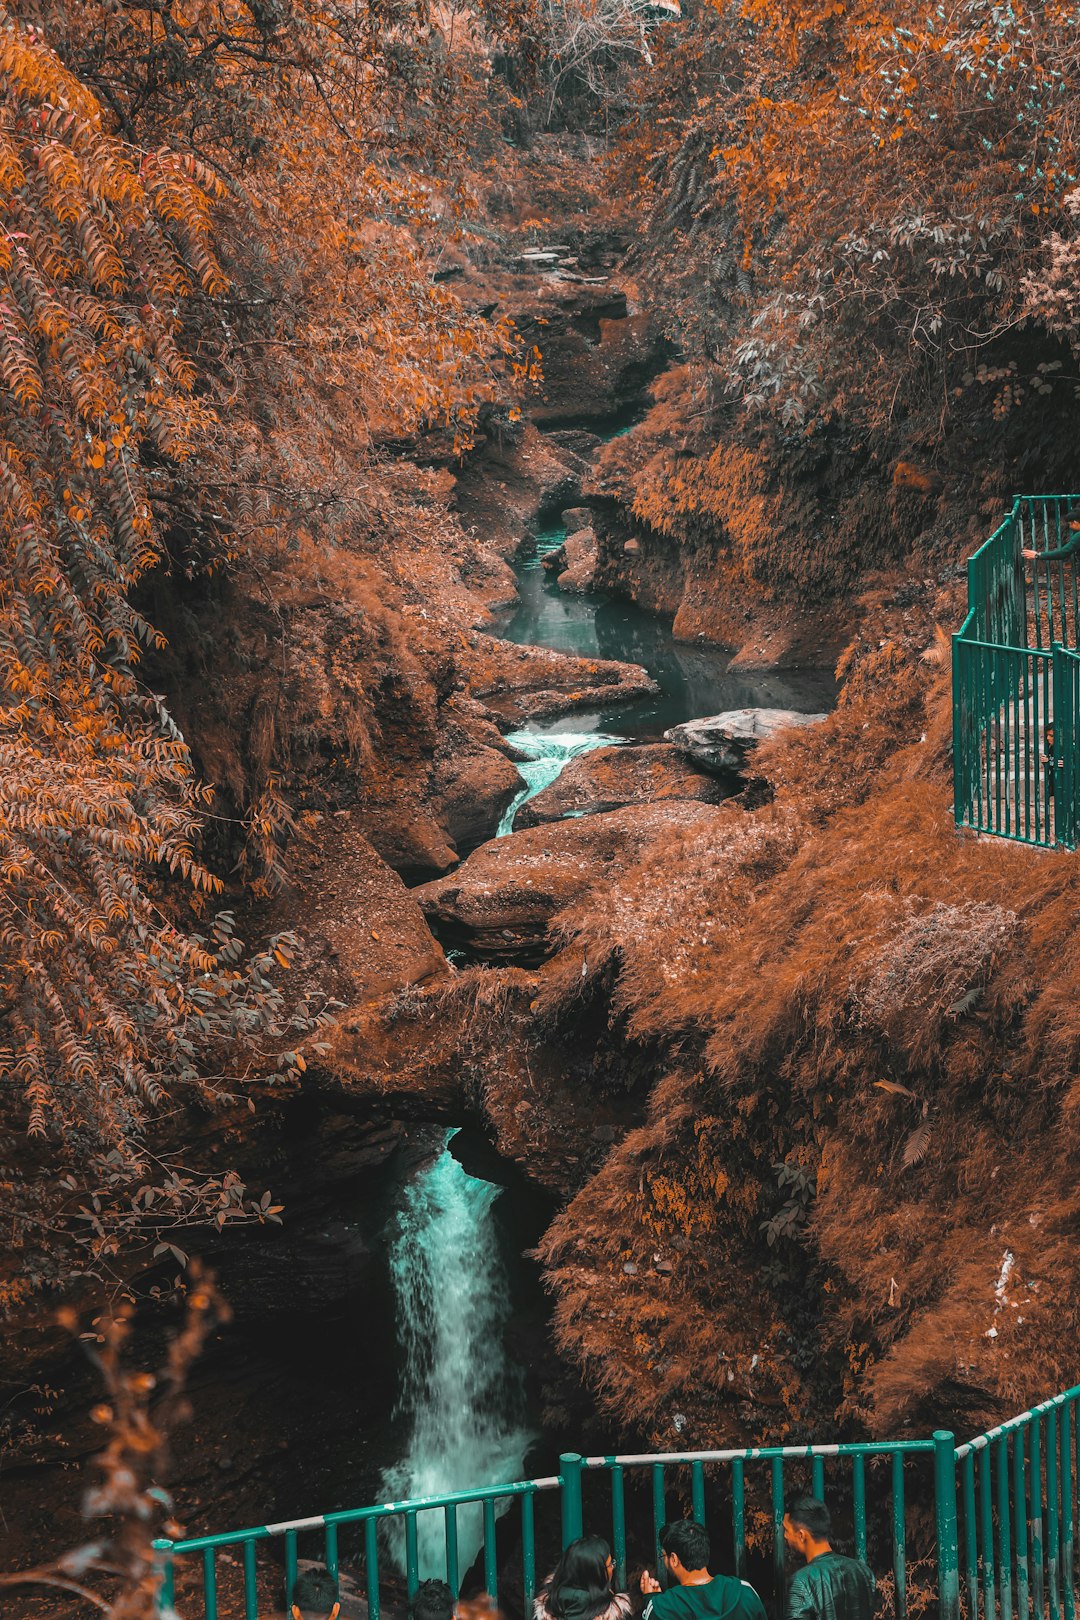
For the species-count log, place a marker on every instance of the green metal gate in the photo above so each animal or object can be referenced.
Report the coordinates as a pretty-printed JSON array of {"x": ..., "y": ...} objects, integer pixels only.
[{"x": 1016, "y": 701}]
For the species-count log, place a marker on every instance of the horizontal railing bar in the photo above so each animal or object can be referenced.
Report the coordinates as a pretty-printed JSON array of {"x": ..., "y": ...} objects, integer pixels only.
[
  {"x": 1004, "y": 647},
  {"x": 998, "y": 532},
  {"x": 1018, "y": 1422},
  {"x": 865, "y": 1448},
  {"x": 381, "y": 1510}
]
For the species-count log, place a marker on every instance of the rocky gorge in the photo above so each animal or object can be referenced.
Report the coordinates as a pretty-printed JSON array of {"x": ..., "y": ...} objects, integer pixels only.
[
  {"x": 399, "y": 715},
  {"x": 622, "y": 978}
]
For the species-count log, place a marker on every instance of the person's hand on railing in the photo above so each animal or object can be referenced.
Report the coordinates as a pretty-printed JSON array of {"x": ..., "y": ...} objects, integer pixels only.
[{"x": 1028, "y": 554}]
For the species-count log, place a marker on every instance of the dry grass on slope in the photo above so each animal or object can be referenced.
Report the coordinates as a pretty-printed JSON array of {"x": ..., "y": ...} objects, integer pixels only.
[{"x": 887, "y": 1014}]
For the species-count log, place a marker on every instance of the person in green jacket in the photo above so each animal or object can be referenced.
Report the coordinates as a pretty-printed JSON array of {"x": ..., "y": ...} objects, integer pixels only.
[
  {"x": 1072, "y": 523},
  {"x": 695, "y": 1594},
  {"x": 829, "y": 1586}
]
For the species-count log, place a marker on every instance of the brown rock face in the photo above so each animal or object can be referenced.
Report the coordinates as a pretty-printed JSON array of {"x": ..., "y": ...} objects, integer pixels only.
[
  {"x": 609, "y": 778},
  {"x": 500, "y": 903},
  {"x": 580, "y": 553},
  {"x": 364, "y": 933}
]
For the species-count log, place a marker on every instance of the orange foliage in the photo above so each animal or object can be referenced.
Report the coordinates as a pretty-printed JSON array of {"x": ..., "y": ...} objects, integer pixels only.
[
  {"x": 97, "y": 794},
  {"x": 160, "y": 416},
  {"x": 889, "y": 1007}
]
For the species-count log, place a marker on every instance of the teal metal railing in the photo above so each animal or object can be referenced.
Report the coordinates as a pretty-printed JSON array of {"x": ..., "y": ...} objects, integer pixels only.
[
  {"x": 1003, "y": 1545},
  {"x": 1016, "y": 681}
]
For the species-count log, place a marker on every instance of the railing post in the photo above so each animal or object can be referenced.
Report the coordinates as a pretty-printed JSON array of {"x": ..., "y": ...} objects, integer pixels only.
[
  {"x": 570, "y": 1469},
  {"x": 164, "y": 1599},
  {"x": 945, "y": 1513}
]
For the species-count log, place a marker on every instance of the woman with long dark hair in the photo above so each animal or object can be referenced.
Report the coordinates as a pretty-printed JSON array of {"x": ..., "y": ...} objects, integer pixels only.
[{"x": 580, "y": 1587}]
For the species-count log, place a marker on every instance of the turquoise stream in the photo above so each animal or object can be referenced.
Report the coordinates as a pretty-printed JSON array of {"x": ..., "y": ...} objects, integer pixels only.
[
  {"x": 462, "y": 1399},
  {"x": 693, "y": 680}
]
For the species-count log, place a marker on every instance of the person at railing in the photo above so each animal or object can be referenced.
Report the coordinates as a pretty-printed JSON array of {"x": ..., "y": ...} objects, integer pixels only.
[
  {"x": 1072, "y": 522},
  {"x": 580, "y": 1586},
  {"x": 315, "y": 1595},
  {"x": 433, "y": 1601},
  {"x": 829, "y": 1586},
  {"x": 696, "y": 1594}
]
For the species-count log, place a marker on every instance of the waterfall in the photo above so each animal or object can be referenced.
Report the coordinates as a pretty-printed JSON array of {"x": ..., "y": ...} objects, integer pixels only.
[
  {"x": 462, "y": 1397},
  {"x": 548, "y": 752}
]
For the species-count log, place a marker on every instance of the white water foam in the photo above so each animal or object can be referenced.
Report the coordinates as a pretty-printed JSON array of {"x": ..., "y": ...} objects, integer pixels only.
[
  {"x": 463, "y": 1397},
  {"x": 548, "y": 753}
]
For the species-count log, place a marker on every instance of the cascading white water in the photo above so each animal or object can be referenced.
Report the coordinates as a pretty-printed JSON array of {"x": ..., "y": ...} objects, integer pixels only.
[
  {"x": 548, "y": 752},
  {"x": 463, "y": 1398}
]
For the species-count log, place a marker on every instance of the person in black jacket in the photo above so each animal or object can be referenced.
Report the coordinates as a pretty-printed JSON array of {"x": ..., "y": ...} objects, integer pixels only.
[{"x": 829, "y": 1586}]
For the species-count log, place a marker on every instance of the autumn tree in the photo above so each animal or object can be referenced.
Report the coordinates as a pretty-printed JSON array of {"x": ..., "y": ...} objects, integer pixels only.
[{"x": 867, "y": 189}]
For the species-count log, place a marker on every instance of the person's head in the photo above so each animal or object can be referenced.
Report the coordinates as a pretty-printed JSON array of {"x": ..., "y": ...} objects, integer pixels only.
[
  {"x": 685, "y": 1546},
  {"x": 585, "y": 1567},
  {"x": 315, "y": 1596},
  {"x": 433, "y": 1601},
  {"x": 807, "y": 1526}
]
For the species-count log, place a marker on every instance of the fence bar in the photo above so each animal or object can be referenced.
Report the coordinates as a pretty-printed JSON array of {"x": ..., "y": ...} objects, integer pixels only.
[
  {"x": 453, "y": 1573},
  {"x": 528, "y": 1550},
  {"x": 738, "y": 1516},
  {"x": 858, "y": 1503},
  {"x": 971, "y": 1549},
  {"x": 1035, "y": 1486},
  {"x": 491, "y": 1552},
  {"x": 290, "y": 1568},
  {"x": 778, "y": 1530},
  {"x": 697, "y": 1491},
  {"x": 371, "y": 1567},
  {"x": 251, "y": 1589},
  {"x": 412, "y": 1559},
  {"x": 899, "y": 1537},
  {"x": 1004, "y": 1522},
  {"x": 330, "y": 1550},
  {"x": 945, "y": 1517},
  {"x": 166, "y": 1592},
  {"x": 1020, "y": 1525},
  {"x": 570, "y": 1470},
  {"x": 210, "y": 1607},
  {"x": 618, "y": 1525},
  {"x": 986, "y": 1533},
  {"x": 1053, "y": 1527},
  {"x": 1065, "y": 1475},
  {"x": 817, "y": 1478},
  {"x": 659, "y": 1517}
]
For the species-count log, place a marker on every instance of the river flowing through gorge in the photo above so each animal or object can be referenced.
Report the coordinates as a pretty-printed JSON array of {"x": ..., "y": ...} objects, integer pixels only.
[{"x": 461, "y": 1397}]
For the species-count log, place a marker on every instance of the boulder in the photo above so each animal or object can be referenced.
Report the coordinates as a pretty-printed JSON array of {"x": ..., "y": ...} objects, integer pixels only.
[
  {"x": 608, "y": 778},
  {"x": 576, "y": 517},
  {"x": 721, "y": 742},
  {"x": 364, "y": 934},
  {"x": 580, "y": 552},
  {"x": 473, "y": 788},
  {"x": 500, "y": 903}
]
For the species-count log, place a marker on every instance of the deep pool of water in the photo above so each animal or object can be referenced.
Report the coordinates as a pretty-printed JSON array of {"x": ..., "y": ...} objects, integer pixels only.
[{"x": 694, "y": 681}]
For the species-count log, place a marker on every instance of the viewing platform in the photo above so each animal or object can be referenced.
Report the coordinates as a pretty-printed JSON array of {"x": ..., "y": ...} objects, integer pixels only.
[
  {"x": 990, "y": 1524},
  {"x": 1016, "y": 679}
]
